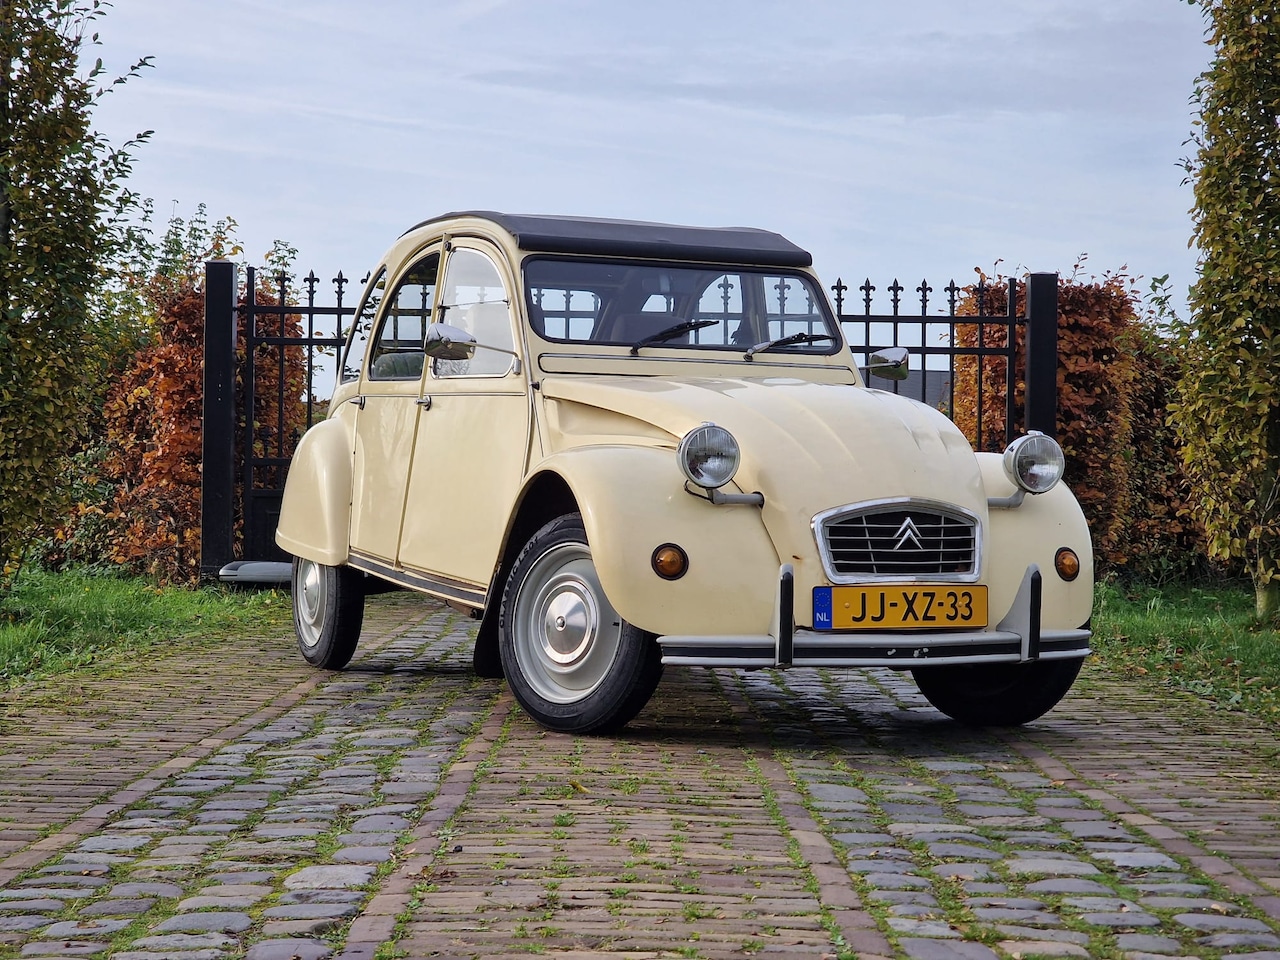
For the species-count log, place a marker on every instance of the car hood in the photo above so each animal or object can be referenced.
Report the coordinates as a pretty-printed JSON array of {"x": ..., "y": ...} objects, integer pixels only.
[{"x": 806, "y": 446}]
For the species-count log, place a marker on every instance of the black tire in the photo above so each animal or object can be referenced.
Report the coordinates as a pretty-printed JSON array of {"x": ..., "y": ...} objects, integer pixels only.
[
  {"x": 997, "y": 694},
  {"x": 572, "y": 662},
  {"x": 328, "y": 611}
]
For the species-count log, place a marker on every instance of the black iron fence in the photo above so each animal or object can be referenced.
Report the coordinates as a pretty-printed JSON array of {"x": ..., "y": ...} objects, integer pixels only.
[
  {"x": 271, "y": 362},
  {"x": 989, "y": 381},
  {"x": 268, "y": 373}
]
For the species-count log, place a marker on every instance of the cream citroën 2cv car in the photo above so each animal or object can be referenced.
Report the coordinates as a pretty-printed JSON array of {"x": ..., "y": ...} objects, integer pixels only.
[{"x": 621, "y": 445}]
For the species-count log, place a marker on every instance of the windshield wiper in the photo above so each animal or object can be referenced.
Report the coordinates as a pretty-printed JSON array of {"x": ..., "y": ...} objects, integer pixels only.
[
  {"x": 786, "y": 341},
  {"x": 670, "y": 333}
]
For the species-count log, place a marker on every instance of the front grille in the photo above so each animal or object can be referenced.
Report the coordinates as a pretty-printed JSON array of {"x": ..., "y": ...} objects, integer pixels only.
[{"x": 899, "y": 541}]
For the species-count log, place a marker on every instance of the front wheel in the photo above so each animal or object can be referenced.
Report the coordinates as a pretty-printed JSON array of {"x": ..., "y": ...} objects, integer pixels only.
[
  {"x": 328, "y": 611},
  {"x": 572, "y": 662},
  {"x": 997, "y": 694}
]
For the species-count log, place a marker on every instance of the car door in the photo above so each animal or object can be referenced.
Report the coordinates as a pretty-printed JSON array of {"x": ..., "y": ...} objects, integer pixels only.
[
  {"x": 472, "y": 445},
  {"x": 390, "y": 389}
]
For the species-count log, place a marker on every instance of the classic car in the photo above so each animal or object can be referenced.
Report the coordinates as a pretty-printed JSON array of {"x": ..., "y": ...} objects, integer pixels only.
[{"x": 623, "y": 445}]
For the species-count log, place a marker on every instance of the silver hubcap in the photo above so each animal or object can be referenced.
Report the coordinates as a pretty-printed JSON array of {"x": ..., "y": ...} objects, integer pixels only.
[
  {"x": 566, "y": 633},
  {"x": 309, "y": 594}
]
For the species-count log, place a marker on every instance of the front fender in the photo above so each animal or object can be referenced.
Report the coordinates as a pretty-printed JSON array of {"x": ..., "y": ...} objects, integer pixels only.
[
  {"x": 315, "y": 517},
  {"x": 632, "y": 501},
  {"x": 1033, "y": 533}
]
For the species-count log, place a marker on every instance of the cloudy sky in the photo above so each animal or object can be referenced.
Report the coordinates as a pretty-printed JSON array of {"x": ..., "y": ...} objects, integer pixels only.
[{"x": 911, "y": 139}]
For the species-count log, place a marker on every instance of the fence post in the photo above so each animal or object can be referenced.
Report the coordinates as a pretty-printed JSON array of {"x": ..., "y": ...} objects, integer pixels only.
[
  {"x": 218, "y": 443},
  {"x": 1042, "y": 354}
]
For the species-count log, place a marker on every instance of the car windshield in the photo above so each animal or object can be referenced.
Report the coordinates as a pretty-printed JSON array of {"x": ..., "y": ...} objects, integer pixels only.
[{"x": 647, "y": 306}]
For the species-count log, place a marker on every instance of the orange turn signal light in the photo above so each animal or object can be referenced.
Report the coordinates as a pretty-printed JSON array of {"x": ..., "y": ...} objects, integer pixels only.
[
  {"x": 1066, "y": 563},
  {"x": 670, "y": 562}
]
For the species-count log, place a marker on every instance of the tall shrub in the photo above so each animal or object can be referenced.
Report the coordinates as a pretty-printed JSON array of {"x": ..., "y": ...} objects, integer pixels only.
[
  {"x": 153, "y": 440},
  {"x": 1228, "y": 406},
  {"x": 61, "y": 189}
]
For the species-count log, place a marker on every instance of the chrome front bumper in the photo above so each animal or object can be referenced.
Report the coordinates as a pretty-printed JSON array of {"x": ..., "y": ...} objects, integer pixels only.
[{"x": 1017, "y": 638}]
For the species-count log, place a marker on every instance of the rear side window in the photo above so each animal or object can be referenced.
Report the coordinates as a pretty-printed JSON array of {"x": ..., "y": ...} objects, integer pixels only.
[{"x": 361, "y": 326}]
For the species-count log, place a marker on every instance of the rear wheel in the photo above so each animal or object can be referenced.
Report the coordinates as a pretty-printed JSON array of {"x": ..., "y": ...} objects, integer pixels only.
[
  {"x": 572, "y": 662},
  {"x": 328, "y": 611},
  {"x": 997, "y": 694}
]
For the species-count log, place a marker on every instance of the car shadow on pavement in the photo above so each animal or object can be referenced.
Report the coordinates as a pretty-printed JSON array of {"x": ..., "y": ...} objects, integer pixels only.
[{"x": 413, "y": 669}]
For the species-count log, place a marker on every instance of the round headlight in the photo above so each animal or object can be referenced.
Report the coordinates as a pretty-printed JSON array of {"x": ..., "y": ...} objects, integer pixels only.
[
  {"x": 1034, "y": 462},
  {"x": 708, "y": 455}
]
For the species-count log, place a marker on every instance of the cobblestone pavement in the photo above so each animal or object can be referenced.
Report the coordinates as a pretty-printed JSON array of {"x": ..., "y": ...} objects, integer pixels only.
[{"x": 217, "y": 805}]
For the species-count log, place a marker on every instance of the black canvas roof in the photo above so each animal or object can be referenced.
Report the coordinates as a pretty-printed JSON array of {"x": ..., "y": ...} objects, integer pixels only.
[{"x": 638, "y": 238}]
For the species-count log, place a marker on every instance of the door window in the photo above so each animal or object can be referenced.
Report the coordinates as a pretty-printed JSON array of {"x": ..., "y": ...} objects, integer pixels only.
[
  {"x": 475, "y": 299},
  {"x": 397, "y": 348}
]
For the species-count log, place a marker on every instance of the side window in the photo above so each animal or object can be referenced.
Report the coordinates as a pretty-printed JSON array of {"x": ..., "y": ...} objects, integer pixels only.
[
  {"x": 475, "y": 299},
  {"x": 361, "y": 326},
  {"x": 397, "y": 347}
]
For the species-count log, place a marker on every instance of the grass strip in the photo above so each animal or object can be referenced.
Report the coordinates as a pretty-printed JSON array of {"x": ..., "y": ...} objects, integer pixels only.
[
  {"x": 1203, "y": 639},
  {"x": 51, "y": 623}
]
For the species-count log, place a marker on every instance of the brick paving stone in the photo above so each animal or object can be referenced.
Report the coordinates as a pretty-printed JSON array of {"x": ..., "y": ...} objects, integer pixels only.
[
  {"x": 1135, "y": 918},
  {"x": 312, "y": 911},
  {"x": 1189, "y": 903},
  {"x": 965, "y": 871},
  {"x": 23, "y": 894},
  {"x": 1172, "y": 889},
  {"x": 1101, "y": 899},
  {"x": 23, "y": 923},
  {"x": 1015, "y": 931},
  {"x": 1148, "y": 943},
  {"x": 1238, "y": 941},
  {"x": 212, "y": 922},
  {"x": 117, "y": 908},
  {"x": 72, "y": 929},
  {"x": 963, "y": 851},
  {"x": 935, "y": 929},
  {"x": 1042, "y": 948},
  {"x": 322, "y": 896},
  {"x": 26, "y": 906},
  {"x": 216, "y": 903},
  {"x": 946, "y": 950},
  {"x": 1013, "y": 915},
  {"x": 291, "y": 949},
  {"x": 329, "y": 877},
  {"x": 1142, "y": 860},
  {"x": 1210, "y": 922},
  {"x": 178, "y": 942},
  {"x": 1058, "y": 868}
]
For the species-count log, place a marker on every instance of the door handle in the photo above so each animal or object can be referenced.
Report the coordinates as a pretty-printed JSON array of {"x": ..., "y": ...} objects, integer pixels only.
[
  {"x": 358, "y": 401},
  {"x": 424, "y": 403}
]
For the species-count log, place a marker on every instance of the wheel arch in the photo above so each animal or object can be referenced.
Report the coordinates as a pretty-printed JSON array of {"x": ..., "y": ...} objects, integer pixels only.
[
  {"x": 632, "y": 498},
  {"x": 315, "y": 515},
  {"x": 546, "y": 495}
]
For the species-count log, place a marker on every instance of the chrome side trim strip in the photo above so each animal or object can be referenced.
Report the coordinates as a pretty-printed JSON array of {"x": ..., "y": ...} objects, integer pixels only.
[{"x": 441, "y": 587}]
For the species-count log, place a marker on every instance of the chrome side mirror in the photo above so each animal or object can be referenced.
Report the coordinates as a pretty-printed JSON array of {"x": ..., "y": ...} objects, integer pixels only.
[
  {"x": 889, "y": 363},
  {"x": 444, "y": 342}
]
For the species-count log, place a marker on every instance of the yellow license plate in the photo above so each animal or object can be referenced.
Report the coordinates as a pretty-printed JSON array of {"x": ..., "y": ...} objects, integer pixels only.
[{"x": 897, "y": 608}]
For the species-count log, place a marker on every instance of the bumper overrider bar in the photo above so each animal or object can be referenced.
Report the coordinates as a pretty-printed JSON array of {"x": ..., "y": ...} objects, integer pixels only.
[{"x": 1018, "y": 638}]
